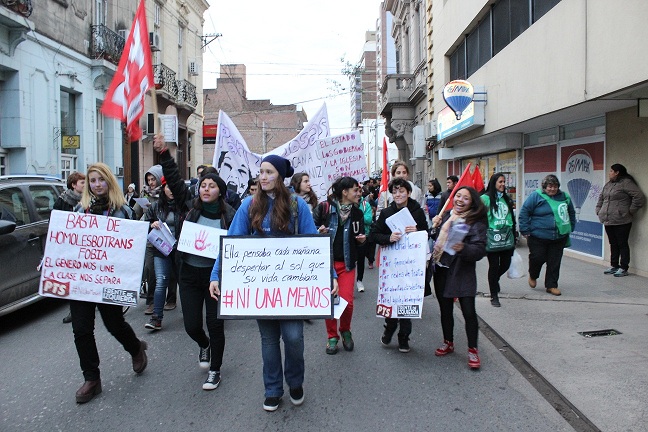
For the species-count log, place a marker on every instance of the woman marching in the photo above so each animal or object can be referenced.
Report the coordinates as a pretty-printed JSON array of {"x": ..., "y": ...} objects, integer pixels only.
[
  {"x": 501, "y": 233},
  {"x": 546, "y": 219},
  {"x": 300, "y": 182},
  {"x": 454, "y": 275},
  {"x": 620, "y": 199},
  {"x": 269, "y": 213},
  {"x": 401, "y": 191},
  {"x": 211, "y": 210},
  {"x": 102, "y": 196},
  {"x": 340, "y": 216}
]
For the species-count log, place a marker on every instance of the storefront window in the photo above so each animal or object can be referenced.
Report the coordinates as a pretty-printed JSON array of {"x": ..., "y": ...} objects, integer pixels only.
[{"x": 591, "y": 127}]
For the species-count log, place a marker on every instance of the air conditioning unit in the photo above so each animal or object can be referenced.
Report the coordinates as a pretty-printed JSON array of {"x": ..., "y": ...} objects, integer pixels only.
[
  {"x": 430, "y": 130},
  {"x": 418, "y": 151},
  {"x": 123, "y": 34},
  {"x": 119, "y": 171},
  {"x": 154, "y": 41},
  {"x": 194, "y": 68}
]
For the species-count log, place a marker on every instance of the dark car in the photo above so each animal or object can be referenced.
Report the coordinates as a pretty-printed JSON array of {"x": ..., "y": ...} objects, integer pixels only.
[{"x": 25, "y": 206}]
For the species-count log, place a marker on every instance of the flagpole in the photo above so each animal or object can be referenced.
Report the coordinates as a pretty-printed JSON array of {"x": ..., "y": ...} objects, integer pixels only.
[
  {"x": 454, "y": 190},
  {"x": 155, "y": 110}
]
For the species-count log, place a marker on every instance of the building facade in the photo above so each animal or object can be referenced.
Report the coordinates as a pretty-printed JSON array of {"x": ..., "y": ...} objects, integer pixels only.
[{"x": 549, "y": 98}]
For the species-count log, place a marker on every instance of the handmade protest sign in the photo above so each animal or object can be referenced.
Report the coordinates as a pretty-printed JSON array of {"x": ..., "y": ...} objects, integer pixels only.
[
  {"x": 342, "y": 155},
  {"x": 93, "y": 258},
  {"x": 200, "y": 240},
  {"x": 275, "y": 277},
  {"x": 402, "y": 277}
]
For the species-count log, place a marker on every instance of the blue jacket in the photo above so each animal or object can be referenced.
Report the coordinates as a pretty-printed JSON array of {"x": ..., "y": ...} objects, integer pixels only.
[
  {"x": 537, "y": 219},
  {"x": 241, "y": 224}
]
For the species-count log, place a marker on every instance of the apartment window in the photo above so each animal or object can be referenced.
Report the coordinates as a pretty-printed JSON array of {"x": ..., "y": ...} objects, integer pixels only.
[
  {"x": 68, "y": 165},
  {"x": 541, "y": 7},
  {"x": 510, "y": 19},
  {"x": 101, "y": 153},
  {"x": 180, "y": 35},
  {"x": 3, "y": 165},
  {"x": 100, "y": 12},
  {"x": 157, "y": 12},
  {"x": 478, "y": 46},
  {"x": 458, "y": 62},
  {"x": 68, "y": 116}
]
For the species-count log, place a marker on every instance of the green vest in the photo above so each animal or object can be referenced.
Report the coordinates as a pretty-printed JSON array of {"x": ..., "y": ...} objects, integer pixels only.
[
  {"x": 500, "y": 218},
  {"x": 560, "y": 210}
]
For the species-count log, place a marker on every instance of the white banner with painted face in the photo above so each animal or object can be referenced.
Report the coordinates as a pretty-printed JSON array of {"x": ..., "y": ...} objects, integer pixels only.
[{"x": 93, "y": 258}]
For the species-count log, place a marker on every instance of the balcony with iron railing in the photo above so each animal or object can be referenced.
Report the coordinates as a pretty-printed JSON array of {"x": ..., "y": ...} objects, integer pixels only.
[
  {"x": 165, "y": 81},
  {"x": 22, "y": 7},
  {"x": 106, "y": 44},
  {"x": 187, "y": 94},
  {"x": 395, "y": 89}
]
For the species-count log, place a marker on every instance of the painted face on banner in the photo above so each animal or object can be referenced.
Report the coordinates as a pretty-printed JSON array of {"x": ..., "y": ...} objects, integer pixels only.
[{"x": 235, "y": 174}]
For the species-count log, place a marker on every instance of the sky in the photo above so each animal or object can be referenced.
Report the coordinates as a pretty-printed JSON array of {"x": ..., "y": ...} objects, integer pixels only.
[{"x": 292, "y": 50}]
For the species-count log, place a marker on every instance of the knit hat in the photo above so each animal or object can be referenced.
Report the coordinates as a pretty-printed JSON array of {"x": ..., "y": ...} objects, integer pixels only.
[
  {"x": 219, "y": 182},
  {"x": 132, "y": 185},
  {"x": 282, "y": 165}
]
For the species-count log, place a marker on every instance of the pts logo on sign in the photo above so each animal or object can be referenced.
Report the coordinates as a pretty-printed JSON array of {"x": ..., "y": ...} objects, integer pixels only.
[{"x": 60, "y": 289}]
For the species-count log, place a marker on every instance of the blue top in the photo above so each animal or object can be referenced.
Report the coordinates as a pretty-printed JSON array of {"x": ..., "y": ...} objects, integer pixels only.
[
  {"x": 241, "y": 224},
  {"x": 537, "y": 218}
]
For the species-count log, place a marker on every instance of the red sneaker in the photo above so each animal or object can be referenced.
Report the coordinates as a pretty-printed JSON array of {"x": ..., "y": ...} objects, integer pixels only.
[
  {"x": 446, "y": 348},
  {"x": 473, "y": 359}
]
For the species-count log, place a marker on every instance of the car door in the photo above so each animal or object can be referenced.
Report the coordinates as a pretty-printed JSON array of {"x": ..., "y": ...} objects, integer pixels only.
[{"x": 21, "y": 250}]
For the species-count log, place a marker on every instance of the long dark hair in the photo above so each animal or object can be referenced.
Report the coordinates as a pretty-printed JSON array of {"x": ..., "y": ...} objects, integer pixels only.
[
  {"x": 623, "y": 172},
  {"x": 491, "y": 191},
  {"x": 280, "y": 217},
  {"x": 295, "y": 182},
  {"x": 477, "y": 210},
  {"x": 436, "y": 186},
  {"x": 341, "y": 184}
]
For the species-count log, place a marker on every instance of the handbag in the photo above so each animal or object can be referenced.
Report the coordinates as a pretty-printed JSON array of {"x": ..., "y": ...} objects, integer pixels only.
[{"x": 499, "y": 239}]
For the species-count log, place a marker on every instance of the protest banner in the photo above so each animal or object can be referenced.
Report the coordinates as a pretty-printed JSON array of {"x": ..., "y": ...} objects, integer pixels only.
[
  {"x": 93, "y": 258},
  {"x": 402, "y": 277},
  {"x": 200, "y": 240},
  {"x": 341, "y": 156},
  {"x": 275, "y": 278}
]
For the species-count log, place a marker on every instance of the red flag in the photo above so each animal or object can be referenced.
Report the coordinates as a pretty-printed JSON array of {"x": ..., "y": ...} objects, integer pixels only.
[
  {"x": 478, "y": 181},
  {"x": 134, "y": 76},
  {"x": 384, "y": 182},
  {"x": 466, "y": 179}
]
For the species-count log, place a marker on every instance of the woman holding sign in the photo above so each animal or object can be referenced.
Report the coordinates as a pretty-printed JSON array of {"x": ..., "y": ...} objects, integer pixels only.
[
  {"x": 102, "y": 196},
  {"x": 454, "y": 267},
  {"x": 211, "y": 210},
  {"x": 501, "y": 234},
  {"x": 340, "y": 216},
  {"x": 269, "y": 212},
  {"x": 401, "y": 191}
]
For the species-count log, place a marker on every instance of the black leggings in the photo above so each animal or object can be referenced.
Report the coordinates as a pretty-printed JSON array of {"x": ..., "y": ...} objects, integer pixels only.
[
  {"x": 498, "y": 264},
  {"x": 618, "y": 236},
  {"x": 446, "y": 305}
]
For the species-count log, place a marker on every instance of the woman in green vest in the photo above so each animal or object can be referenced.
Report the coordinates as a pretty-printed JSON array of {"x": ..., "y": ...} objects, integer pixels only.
[
  {"x": 546, "y": 219},
  {"x": 501, "y": 233}
]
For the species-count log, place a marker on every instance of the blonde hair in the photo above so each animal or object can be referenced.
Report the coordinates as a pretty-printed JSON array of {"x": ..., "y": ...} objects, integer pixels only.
[{"x": 115, "y": 198}]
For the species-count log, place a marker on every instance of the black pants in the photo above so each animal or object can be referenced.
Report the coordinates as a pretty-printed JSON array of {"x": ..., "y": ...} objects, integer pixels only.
[
  {"x": 498, "y": 264},
  {"x": 83, "y": 324},
  {"x": 546, "y": 251},
  {"x": 361, "y": 250},
  {"x": 618, "y": 236},
  {"x": 391, "y": 324},
  {"x": 446, "y": 305},
  {"x": 194, "y": 293}
]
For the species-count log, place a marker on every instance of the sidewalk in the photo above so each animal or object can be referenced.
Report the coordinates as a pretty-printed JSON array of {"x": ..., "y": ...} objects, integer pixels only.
[{"x": 605, "y": 377}]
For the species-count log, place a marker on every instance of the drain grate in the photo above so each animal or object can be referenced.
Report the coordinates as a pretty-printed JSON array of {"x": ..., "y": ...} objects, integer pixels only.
[{"x": 595, "y": 333}]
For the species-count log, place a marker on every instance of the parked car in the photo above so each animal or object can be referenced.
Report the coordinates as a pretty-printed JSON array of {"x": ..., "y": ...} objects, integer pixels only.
[{"x": 25, "y": 205}]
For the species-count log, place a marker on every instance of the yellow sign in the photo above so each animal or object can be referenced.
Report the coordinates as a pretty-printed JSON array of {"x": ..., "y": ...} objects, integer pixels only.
[{"x": 71, "y": 141}]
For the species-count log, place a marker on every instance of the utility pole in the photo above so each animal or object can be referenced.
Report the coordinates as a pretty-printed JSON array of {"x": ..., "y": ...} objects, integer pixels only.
[{"x": 263, "y": 138}]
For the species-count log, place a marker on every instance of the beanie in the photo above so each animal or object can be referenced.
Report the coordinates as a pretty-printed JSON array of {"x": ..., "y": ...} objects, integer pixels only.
[
  {"x": 282, "y": 165},
  {"x": 219, "y": 182},
  {"x": 132, "y": 186}
]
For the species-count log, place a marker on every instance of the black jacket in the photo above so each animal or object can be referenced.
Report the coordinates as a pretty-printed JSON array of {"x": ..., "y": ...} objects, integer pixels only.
[{"x": 380, "y": 232}]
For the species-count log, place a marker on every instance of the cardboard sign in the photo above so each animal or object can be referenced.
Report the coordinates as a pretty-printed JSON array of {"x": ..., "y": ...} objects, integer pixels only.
[
  {"x": 402, "y": 277},
  {"x": 200, "y": 240},
  {"x": 275, "y": 278},
  {"x": 93, "y": 258},
  {"x": 342, "y": 155}
]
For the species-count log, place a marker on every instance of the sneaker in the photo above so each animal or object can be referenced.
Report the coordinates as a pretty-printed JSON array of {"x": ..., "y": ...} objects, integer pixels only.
[
  {"x": 347, "y": 341},
  {"x": 149, "y": 309},
  {"x": 212, "y": 381},
  {"x": 297, "y": 395},
  {"x": 403, "y": 344},
  {"x": 386, "y": 338},
  {"x": 331, "y": 346},
  {"x": 68, "y": 318},
  {"x": 169, "y": 306},
  {"x": 495, "y": 301},
  {"x": 473, "y": 359},
  {"x": 611, "y": 270},
  {"x": 532, "y": 282},
  {"x": 271, "y": 403},
  {"x": 371, "y": 265},
  {"x": 555, "y": 291},
  {"x": 360, "y": 286},
  {"x": 204, "y": 358},
  {"x": 620, "y": 273},
  {"x": 154, "y": 323},
  {"x": 445, "y": 349}
]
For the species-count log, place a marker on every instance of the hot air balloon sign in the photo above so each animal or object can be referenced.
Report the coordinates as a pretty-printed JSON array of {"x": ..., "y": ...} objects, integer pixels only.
[
  {"x": 458, "y": 94},
  {"x": 578, "y": 172}
]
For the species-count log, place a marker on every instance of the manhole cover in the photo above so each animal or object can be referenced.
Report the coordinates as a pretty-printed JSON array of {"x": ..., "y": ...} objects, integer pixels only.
[{"x": 594, "y": 333}]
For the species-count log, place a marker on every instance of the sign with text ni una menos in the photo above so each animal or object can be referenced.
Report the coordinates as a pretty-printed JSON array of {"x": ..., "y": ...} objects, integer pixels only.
[
  {"x": 93, "y": 258},
  {"x": 275, "y": 277}
]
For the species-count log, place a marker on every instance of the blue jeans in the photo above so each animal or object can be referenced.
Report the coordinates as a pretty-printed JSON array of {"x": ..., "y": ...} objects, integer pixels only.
[
  {"x": 164, "y": 266},
  {"x": 292, "y": 333}
]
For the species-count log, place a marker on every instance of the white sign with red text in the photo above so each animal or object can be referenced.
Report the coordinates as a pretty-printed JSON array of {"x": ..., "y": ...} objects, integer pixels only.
[
  {"x": 275, "y": 277},
  {"x": 200, "y": 240},
  {"x": 93, "y": 258}
]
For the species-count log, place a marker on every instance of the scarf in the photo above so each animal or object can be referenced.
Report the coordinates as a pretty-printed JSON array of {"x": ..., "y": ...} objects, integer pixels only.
[
  {"x": 212, "y": 208},
  {"x": 99, "y": 205},
  {"x": 440, "y": 243},
  {"x": 71, "y": 197},
  {"x": 344, "y": 210}
]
